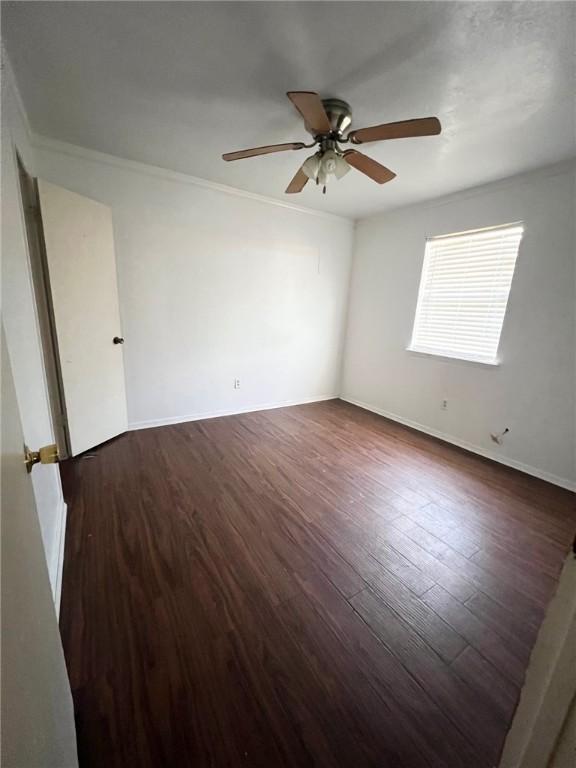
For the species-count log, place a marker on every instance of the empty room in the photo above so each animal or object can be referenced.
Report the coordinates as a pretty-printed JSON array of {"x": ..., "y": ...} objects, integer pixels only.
[{"x": 288, "y": 384}]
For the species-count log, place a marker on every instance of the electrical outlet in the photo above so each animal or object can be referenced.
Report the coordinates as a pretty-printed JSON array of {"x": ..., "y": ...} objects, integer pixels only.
[
  {"x": 444, "y": 405},
  {"x": 236, "y": 383}
]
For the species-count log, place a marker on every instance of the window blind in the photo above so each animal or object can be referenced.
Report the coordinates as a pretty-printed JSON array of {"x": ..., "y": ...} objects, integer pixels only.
[{"x": 463, "y": 293}]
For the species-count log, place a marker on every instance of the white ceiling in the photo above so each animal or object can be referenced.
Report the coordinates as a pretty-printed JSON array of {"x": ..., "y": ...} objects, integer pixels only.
[{"x": 176, "y": 84}]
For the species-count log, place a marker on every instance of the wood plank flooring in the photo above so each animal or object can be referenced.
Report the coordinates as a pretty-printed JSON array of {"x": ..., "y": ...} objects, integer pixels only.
[{"x": 310, "y": 586}]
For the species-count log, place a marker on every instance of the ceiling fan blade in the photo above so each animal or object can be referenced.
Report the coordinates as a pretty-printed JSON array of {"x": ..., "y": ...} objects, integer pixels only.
[
  {"x": 371, "y": 168},
  {"x": 310, "y": 106},
  {"x": 424, "y": 126},
  {"x": 298, "y": 182},
  {"x": 263, "y": 150}
]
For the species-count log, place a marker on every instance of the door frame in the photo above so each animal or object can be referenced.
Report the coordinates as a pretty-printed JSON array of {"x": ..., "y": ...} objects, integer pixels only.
[
  {"x": 540, "y": 723},
  {"x": 36, "y": 249}
]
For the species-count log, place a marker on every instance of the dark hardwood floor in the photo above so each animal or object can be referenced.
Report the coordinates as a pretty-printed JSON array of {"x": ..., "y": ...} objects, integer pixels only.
[{"x": 310, "y": 586}]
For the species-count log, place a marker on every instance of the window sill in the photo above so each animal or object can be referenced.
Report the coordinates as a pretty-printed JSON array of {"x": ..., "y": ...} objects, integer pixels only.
[{"x": 454, "y": 358}]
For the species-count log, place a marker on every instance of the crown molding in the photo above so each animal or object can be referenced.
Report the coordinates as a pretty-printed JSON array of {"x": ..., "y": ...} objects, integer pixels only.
[
  {"x": 10, "y": 83},
  {"x": 37, "y": 141},
  {"x": 40, "y": 142},
  {"x": 524, "y": 177}
]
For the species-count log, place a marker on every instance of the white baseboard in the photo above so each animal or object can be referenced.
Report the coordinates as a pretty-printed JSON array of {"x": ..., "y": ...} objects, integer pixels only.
[
  {"x": 57, "y": 564},
  {"x": 570, "y": 485},
  {"x": 232, "y": 412}
]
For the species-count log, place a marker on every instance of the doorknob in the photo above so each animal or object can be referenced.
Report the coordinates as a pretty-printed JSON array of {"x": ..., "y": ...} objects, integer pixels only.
[
  {"x": 118, "y": 340},
  {"x": 48, "y": 454}
]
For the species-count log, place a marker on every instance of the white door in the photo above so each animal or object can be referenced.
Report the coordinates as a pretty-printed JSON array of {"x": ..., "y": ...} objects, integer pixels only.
[
  {"x": 81, "y": 272},
  {"x": 37, "y": 712}
]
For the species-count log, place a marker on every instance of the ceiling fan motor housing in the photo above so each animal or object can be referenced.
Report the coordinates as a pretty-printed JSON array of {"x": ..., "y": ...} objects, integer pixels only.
[{"x": 339, "y": 115}]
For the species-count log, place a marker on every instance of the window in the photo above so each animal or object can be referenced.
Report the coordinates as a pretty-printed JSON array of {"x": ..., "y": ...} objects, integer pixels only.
[{"x": 463, "y": 293}]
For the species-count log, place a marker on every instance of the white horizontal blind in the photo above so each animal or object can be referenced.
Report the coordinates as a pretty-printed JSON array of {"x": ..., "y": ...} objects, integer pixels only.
[{"x": 463, "y": 293}]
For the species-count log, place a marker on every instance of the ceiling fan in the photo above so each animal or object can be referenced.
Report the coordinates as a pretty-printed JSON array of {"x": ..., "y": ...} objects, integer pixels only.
[{"x": 327, "y": 120}]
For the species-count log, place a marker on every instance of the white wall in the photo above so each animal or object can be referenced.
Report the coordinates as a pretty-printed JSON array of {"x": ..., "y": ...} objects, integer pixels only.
[
  {"x": 533, "y": 390},
  {"x": 215, "y": 286},
  {"x": 22, "y": 330}
]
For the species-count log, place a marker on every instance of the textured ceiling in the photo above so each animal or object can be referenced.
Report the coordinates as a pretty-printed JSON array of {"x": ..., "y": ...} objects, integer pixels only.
[{"x": 177, "y": 84}]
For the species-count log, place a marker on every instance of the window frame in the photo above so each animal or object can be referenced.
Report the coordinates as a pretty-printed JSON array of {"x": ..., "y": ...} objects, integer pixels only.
[{"x": 462, "y": 357}]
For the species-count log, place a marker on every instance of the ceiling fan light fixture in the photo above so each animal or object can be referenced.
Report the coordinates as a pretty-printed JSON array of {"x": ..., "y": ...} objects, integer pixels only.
[
  {"x": 311, "y": 166},
  {"x": 335, "y": 164},
  {"x": 320, "y": 166}
]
